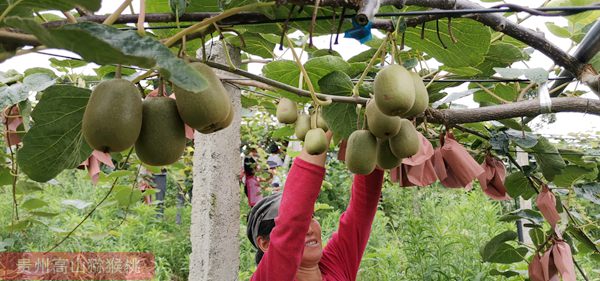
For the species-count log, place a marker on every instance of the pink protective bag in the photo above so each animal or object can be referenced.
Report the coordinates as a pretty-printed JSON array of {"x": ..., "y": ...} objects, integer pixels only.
[
  {"x": 93, "y": 164},
  {"x": 416, "y": 170},
  {"x": 12, "y": 121},
  {"x": 546, "y": 202},
  {"x": 563, "y": 260},
  {"x": 535, "y": 269},
  {"x": 454, "y": 166},
  {"x": 492, "y": 179}
]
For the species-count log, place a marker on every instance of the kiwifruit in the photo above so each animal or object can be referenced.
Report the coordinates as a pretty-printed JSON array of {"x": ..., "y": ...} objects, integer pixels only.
[
  {"x": 113, "y": 116},
  {"x": 406, "y": 143},
  {"x": 220, "y": 125},
  {"x": 385, "y": 158},
  {"x": 302, "y": 126},
  {"x": 361, "y": 152},
  {"x": 287, "y": 111},
  {"x": 394, "y": 90},
  {"x": 320, "y": 121},
  {"x": 315, "y": 141},
  {"x": 162, "y": 139},
  {"x": 205, "y": 108},
  {"x": 381, "y": 125},
  {"x": 421, "y": 96}
]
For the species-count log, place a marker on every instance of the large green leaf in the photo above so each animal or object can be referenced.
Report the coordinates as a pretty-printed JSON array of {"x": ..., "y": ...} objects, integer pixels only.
[
  {"x": 341, "y": 118},
  {"x": 19, "y": 92},
  {"x": 336, "y": 83},
  {"x": 253, "y": 43},
  {"x": 500, "y": 54},
  {"x": 26, "y": 7},
  {"x": 33, "y": 203},
  {"x": 505, "y": 92},
  {"x": 528, "y": 214},
  {"x": 498, "y": 251},
  {"x": 104, "y": 44},
  {"x": 589, "y": 191},
  {"x": 517, "y": 185},
  {"x": 55, "y": 141},
  {"x": 473, "y": 42},
  {"x": 548, "y": 158},
  {"x": 571, "y": 174}
]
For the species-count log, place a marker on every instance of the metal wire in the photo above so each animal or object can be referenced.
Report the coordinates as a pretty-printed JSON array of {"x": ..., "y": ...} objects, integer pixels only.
[{"x": 541, "y": 11}]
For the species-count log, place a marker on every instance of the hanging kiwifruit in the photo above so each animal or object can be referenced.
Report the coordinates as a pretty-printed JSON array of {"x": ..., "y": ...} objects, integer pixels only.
[
  {"x": 220, "y": 125},
  {"x": 421, "y": 96},
  {"x": 162, "y": 138},
  {"x": 315, "y": 141},
  {"x": 205, "y": 108},
  {"x": 302, "y": 126},
  {"x": 287, "y": 111},
  {"x": 381, "y": 125},
  {"x": 385, "y": 158},
  {"x": 319, "y": 121},
  {"x": 394, "y": 90},
  {"x": 406, "y": 143},
  {"x": 113, "y": 116},
  {"x": 361, "y": 152}
]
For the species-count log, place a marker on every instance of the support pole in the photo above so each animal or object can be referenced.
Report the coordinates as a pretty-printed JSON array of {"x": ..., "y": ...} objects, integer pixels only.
[{"x": 216, "y": 199}]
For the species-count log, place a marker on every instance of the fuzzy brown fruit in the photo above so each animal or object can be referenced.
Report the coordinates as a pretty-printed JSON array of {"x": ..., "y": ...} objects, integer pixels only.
[
  {"x": 302, "y": 126},
  {"x": 394, "y": 90},
  {"x": 385, "y": 158},
  {"x": 287, "y": 111},
  {"x": 315, "y": 141},
  {"x": 113, "y": 116},
  {"x": 220, "y": 125},
  {"x": 361, "y": 152},
  {"x": 162, "y": 139},
  {"x": 406, "y": 143},
  {"x": 381, "y": 125},
  {"x": 206, "y": 108}
]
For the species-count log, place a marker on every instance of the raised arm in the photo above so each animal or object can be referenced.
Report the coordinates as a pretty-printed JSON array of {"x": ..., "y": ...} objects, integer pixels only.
[
  {"x": 344, "y": 251},
  {"x": 302, "y": 187}
]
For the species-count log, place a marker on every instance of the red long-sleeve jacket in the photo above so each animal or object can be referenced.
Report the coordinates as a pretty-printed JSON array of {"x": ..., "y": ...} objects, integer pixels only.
[{"x": 343, "y": 253}]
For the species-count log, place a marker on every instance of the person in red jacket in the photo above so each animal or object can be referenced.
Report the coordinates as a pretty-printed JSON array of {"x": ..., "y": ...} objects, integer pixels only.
[{"x": 288, "y": 238}]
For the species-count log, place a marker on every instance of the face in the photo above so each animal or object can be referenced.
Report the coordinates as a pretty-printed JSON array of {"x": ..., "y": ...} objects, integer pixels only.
[{"x": 313, "y": 246}]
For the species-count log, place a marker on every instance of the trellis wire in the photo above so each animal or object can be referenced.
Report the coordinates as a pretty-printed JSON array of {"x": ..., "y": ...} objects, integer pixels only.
[{"x": 542, "y": 11}]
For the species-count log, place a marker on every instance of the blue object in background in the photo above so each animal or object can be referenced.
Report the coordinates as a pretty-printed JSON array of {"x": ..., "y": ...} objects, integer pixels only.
[{"x": 359, "y": 32}]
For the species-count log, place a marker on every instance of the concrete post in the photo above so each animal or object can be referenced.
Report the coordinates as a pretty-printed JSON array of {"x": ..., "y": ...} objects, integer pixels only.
[{"x": 215, "y": 202}]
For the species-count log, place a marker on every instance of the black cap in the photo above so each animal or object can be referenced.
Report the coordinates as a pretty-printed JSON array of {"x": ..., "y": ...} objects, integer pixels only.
[{"x": 265, "y": 209}]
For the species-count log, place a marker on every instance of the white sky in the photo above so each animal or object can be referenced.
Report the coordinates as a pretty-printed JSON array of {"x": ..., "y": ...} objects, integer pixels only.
[{"x": 566, "y": 122}]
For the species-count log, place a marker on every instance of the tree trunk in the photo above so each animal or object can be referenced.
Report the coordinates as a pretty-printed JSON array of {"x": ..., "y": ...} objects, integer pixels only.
[{"x": 215, "y": 201}]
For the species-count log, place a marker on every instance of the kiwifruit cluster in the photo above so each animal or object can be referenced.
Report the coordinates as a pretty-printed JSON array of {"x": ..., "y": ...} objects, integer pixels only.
[
  {"x": 309, "y": 128},
  {"x": 398, "y": 94},
  {"x": 117, "y": 118}
]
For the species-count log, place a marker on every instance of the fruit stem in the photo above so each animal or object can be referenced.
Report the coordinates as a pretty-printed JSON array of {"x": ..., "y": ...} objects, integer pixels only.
[
  {"x": 225, "y": 48},
  {"x": 114, "y": 16},
  {"x": 209, "y": 21},
  {"x": 8, "y": 9},
  {"x": 311, "y": 88},
  {"x": 141, "y": 18},
  {"x": 371, "y": 63}
]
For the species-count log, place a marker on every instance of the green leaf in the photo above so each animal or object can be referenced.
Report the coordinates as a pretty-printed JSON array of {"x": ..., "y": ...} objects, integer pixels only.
[
  {"x": 507, "y": 273},
  {"x": 505, "y": 92},
  {"x": 522, "y": 138},
  {"x": 537, "y": 75},
  {"x": 473, "y": 42},
  {"x": 33, "y": 203},
  {"x": 43, "y": 214},
  {"x": 571, "y": 174},
  {"x": 19, "y": 92},
  {"x": 67, "y": 63},
  {"x": 589, "y": 191},
  {"x": 336, "y": 83},
  {"x": 10, "y": 76},
  {"x": 285, "y": 71},
  {"x": 323, "y": 52},
  {"x": 255, "y": 44},
  {"x": 497, "y": 251},
  {"x": 500, "y": 54},
  {"x": 55, "y": 141},
  {"x": 548, "y": 158},
  {"x": 583, "y": 239},
  {"x": 34, "y": 70},
  {"x": 283, "y": 132},
  {"x": 26, "y": 7},
  {"x": 104, "y": 44},
  {"x": 20, "y": 225},
  {"x": 595, "y": 61},
  {"x": 467, "y": 71},
  {"x": 517, "y": 185},
  {"x": 105, "y": 70},
  {"x": 341, "y": 118},
  {"x": 5, "y": 176},
  {"x": 537, "y": 236},
  {"x": 533, "y": 216},
  {"x": 26, "y": 187},
  {"x": 125, "y": 195},
  {"x": 364, "y": 56},
  {"x": 318, "y": 67},
  {"x": 559, "y": 31},
  {"x": 78, "y": 204}
]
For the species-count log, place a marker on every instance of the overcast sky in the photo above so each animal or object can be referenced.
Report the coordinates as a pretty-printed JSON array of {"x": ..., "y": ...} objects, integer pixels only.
[{"x": 566, "y": 122}]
